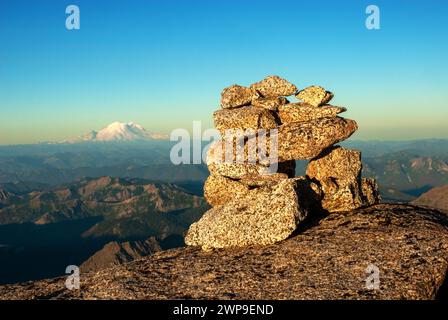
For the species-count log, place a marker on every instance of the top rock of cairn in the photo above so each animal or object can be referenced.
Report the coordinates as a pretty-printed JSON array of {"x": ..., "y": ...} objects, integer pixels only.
[
  {"x": 256, "y": 197},
  {"x": 273, "y": 87}
]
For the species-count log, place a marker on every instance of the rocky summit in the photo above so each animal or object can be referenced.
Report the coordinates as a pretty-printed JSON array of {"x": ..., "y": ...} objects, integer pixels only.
[
  {"x": 256, "y": 198},
  {"x": 328, "y": 257}
]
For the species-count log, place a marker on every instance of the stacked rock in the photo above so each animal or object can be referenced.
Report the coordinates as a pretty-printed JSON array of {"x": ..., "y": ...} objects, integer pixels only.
[{"x": 256, "y": 205}]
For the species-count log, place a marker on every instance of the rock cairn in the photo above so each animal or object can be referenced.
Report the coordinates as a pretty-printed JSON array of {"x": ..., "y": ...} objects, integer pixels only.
[{"x": 255, "y": 205}]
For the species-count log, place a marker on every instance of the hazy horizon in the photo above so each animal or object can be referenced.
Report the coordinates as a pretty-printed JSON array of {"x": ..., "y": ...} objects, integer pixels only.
[{"x": 164, "y": 64}]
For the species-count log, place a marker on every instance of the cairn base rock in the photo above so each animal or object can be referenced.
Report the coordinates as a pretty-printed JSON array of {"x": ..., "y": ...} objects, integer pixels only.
[{"x": 264, "y": 216}]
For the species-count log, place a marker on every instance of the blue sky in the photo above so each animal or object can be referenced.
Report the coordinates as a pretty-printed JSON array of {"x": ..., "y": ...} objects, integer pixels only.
[{"x": 164, "y": 63}]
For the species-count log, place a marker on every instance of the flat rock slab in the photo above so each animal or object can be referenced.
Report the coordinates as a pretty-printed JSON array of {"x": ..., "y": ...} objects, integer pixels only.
[
  {"x": 222, "y": 160},
  {"x": 264, "y": 180},
  {"x": 219, "y": 190},
  {"x": 328, "y": 260},
  {"x": 306, "y": 140},
  {"x": 239, "y": 171},
  {"x": 298, "y": 112},
  {"x": 270, "y": 103},
  {"x": 244, "y": 118}
]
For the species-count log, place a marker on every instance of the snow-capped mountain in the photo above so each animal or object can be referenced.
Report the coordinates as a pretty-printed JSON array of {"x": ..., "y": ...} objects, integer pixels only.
[{"x": 119, "y": 131}]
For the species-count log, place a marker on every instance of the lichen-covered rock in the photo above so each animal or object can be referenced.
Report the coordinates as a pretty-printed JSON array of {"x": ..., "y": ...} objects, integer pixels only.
[
  {"x": 370, "y": 191},
  {"x": 219, "y": 190},
  {"x": 223, "y": 159},
  {"x": 314, "y": 95},
  {"x": 240, "y": 170},
  {"x": 306, "y": 140},
  {"x": 270, "y": 103},
  {"x": 297, "y": 112},
  {"x": 263, "y": 216},
  {"x": 237, "y": 96},
  {"x": 264, "y": 180},
  {"x": 244, "y": 147},
  {"x": 244, "y": 118},
  {"x": 236, "y": 170},
  {"x": 274, "y": 86}
]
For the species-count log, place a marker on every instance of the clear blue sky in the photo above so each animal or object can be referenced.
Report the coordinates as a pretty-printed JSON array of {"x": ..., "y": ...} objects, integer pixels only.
[{"x": 164, "y": 63}]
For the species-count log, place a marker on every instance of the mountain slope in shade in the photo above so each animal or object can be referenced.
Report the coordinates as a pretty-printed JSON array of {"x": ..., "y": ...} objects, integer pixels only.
[
  {"x": 436, "y": 197},
  {"x": 118, "y": 131},
  {"x": 115, "y": 253}
]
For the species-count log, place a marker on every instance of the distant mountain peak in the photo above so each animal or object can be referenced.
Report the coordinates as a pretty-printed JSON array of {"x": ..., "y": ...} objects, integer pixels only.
[{"x": 118, "y": 131}]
